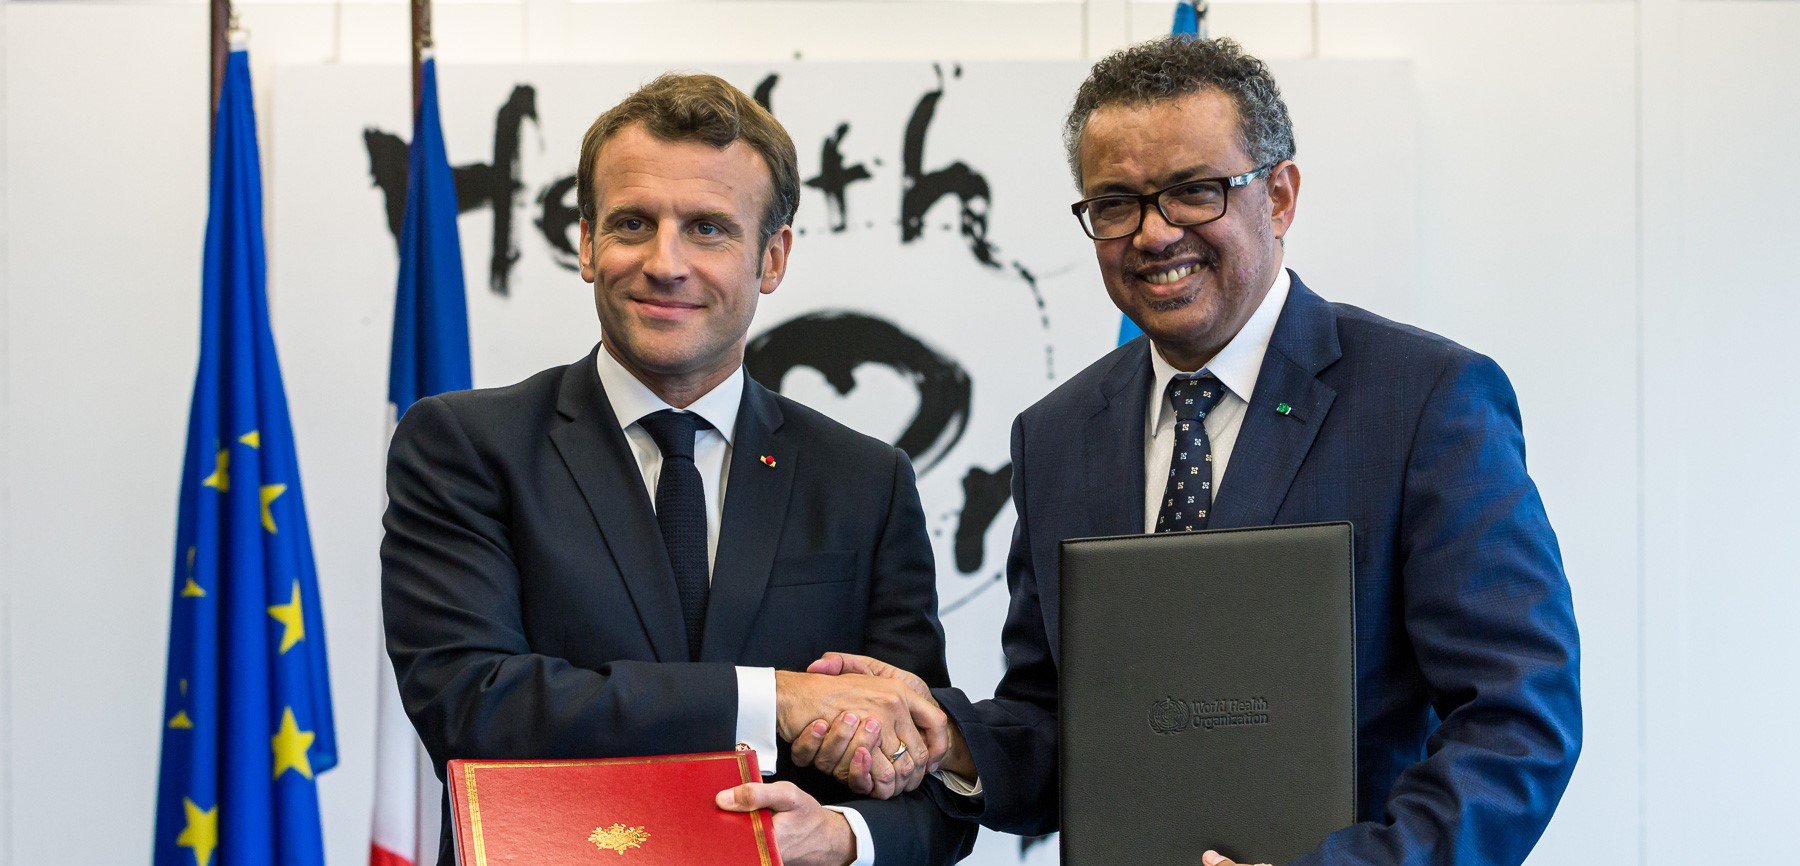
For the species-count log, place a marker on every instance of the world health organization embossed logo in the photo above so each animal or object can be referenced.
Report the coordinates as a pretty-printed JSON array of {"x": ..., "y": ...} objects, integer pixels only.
[{"x": 1169, "y": 716}]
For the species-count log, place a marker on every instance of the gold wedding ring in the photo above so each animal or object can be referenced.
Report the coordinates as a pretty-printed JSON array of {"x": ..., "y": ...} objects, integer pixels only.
[{"x": 895, "y": 757}]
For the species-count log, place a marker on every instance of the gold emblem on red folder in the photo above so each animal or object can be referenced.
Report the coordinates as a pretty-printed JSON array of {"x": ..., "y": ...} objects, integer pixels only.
[{"x": 618, "y": 838}]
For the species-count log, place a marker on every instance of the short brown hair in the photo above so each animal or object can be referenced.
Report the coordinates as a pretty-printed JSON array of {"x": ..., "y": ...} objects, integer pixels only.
[{"x": 704, "y": 108}]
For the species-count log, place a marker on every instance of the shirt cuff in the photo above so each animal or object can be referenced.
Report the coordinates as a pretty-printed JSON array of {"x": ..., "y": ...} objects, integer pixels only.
[
  {"x": 756, "y": 715},
  {"x": 958, "y": 785},
  {"x": 859, "y": 828}
]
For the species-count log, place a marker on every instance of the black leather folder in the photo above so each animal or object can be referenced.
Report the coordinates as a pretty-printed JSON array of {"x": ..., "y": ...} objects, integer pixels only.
[{"x": 1208, "y": 694}]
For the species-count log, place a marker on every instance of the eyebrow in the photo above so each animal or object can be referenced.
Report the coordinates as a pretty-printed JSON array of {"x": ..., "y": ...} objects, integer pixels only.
[
  {"x": 723, "y": 218},
  {"x": 1190, "y": 173}
]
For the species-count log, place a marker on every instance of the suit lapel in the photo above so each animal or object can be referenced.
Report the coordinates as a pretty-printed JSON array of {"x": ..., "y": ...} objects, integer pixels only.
[
  {"x": 1273, "y": 443},
  {"x": 1113, "y": 446},
  {"x": 1108, "y": 480},
  {"x": 756, "y": 497},
  {"x": 593, "y": 447}
]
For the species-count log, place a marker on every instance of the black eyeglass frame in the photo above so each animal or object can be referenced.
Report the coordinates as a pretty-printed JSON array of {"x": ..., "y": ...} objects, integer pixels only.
[{"x": 1149, "y": 199}]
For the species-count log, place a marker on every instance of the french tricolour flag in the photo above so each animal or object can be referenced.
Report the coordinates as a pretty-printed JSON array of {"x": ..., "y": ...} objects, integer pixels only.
[{"x": 430, "y": 356}]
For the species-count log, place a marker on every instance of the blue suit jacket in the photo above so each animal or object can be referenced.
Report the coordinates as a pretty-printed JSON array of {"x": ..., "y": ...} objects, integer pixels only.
[
  {"x": 1468, "y": 704},
  {"x": 531, "y": 611}
]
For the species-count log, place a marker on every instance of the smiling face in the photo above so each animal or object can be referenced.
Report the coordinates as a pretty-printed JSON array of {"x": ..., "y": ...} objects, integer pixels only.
[
  {"x": 676, "y": 257},
  {"x": 1189, "y": 288}
]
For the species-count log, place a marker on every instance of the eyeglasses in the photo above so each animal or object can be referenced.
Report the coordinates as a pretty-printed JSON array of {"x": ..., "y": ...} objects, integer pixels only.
[{"x": 1188, "y": 203}]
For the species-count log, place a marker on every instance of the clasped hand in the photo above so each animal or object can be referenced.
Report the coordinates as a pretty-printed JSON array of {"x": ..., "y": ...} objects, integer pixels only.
[{"x": 873, "y": 726}]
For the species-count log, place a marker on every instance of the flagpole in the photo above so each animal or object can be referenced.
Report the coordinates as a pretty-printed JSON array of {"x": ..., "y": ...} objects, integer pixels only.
[
  {"x": 222, "y": 24},
  {"x": 421, "y": 39}
]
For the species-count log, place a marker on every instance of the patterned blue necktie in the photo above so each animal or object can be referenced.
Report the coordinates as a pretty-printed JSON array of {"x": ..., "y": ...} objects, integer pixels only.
[
  {"x": 681, "y": 513},
  {"x": 1188, "y": 495}
]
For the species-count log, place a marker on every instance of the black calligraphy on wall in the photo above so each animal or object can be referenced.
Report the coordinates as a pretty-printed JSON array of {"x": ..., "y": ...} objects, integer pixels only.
[
  {"x": 494, "y": 185},
  {"x": 922, "y": 188},
  {"x": 835, "y": 343},
  {"x": 835, "y": 177}
]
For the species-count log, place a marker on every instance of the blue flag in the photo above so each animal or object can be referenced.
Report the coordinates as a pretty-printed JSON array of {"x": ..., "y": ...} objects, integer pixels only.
[
  {"x": 431, "y": 317},
  {"x": 1128, "y": 330},
  {"x": 430, "y": 356},
  {"x": 247, "y": 722},
  {"x": 1187, "y": 19}
]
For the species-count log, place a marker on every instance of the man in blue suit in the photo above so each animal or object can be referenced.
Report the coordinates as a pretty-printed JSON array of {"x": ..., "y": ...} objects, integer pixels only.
[
  {"x": 635, "y": 553},
  {"x": 1469, "y": 714}
]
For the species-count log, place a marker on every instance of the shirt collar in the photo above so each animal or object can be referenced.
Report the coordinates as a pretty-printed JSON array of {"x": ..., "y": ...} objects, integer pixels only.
[
  {"x": 1238, "y": 364},
  {"x": 632, "y": 399}
]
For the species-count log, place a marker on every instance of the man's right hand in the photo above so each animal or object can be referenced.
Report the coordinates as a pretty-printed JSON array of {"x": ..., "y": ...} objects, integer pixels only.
[{"x": 873, "y": 717}]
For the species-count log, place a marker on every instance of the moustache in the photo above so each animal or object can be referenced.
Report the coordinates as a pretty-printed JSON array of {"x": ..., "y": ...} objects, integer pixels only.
[{"x": 1201, "y": 253}]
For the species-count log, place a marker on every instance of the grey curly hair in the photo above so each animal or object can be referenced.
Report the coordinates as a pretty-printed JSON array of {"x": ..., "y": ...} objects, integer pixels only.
[{"x": 1176, "y": 66}]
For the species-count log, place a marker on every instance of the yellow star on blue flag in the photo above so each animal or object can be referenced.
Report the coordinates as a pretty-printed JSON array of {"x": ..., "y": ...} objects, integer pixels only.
[{"x": 247, "y": 720}]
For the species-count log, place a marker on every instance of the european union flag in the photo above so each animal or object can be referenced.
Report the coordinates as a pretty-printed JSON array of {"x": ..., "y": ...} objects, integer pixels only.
[
  {"x": 248, "y": 708},
  {"x": 431, "y": 317}
]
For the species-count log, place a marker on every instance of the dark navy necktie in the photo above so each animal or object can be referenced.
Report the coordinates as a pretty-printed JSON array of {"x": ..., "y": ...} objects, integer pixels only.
[
  {"x": 681, "y": 513},
  {"x": 1188, "y": 495}
]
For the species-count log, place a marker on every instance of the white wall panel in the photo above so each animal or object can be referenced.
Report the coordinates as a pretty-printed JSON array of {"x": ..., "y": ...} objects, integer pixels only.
[
  {"x": 1526, "y": 252},
  {"x": 105, "y": 166},
  {"x": 1267, "y": 30},
  {"x": 721, "y": 31},
  {"x": 6, "y": 500},
  {"x": 1719, "y": 462}
]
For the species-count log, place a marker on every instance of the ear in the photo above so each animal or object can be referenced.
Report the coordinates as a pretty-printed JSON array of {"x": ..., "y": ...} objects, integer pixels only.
[
  {"x": 587, "y": 250},
  {"x": 775, "y": 258},
  {"x": 1284, "y": 196}
]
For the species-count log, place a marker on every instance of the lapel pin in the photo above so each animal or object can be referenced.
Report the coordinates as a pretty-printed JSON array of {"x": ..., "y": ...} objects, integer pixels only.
[
  {"x": 1284, "y": 409},
  {"x": 769, "y": 459}
]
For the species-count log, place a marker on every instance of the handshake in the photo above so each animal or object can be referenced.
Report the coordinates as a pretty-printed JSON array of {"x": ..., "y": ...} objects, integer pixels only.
[{"x": 872, "y": 725}]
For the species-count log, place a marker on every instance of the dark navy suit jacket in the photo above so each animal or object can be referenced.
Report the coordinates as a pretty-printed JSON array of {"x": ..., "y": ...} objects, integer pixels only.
[
  {"x": 531, "y": 610},
  {"x": 1468, "y": 704}
]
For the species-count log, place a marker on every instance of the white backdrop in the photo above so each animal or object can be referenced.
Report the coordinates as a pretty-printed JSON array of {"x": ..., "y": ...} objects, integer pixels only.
[
  {"x": 1012, "y": 300},
  {"x": 1597, "y": 194}
]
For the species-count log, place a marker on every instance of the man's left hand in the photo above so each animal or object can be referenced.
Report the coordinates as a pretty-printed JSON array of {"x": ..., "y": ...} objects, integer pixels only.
[
  {"x": 806, "y": 833},
  {"x": 1214, "y": 858}
]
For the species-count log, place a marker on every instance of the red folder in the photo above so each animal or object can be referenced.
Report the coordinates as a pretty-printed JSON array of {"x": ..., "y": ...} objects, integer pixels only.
[{"x": 650, "y": 811}]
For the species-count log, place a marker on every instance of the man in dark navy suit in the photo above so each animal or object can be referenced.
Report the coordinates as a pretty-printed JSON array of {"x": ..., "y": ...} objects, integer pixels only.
[
  {"x": 639, "y": 553},
  {"x": 1253, "y": 401}
]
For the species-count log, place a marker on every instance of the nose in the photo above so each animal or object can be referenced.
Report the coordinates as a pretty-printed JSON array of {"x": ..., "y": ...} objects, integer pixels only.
[
  {"x": 665, "y": 261},
  {"x": 1155, "y": 234}
]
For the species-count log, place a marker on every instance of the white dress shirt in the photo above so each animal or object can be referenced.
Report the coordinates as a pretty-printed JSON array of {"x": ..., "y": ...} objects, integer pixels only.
[
  {"x": 632, "y": 400},
  {"x": 1236, "y": 366}
]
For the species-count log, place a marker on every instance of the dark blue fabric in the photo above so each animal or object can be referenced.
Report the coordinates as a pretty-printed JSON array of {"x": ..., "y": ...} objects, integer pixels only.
[
  {"x": 531, "y": 611},
  {"x": 1187, "y": 494},
  {"x": 1468, "y": 687},
  {"x": 246, "y": 635},
  {"x": 681, "y": 514},
  {"x": 430, "y": 353}
]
